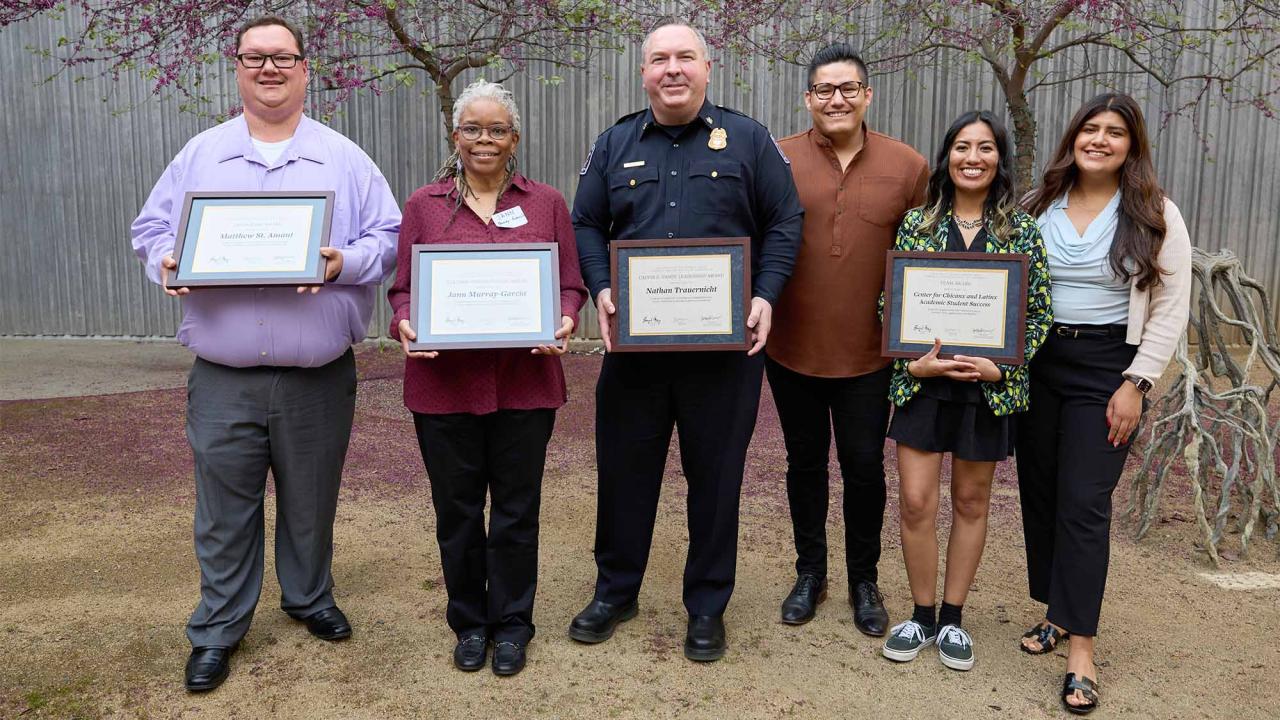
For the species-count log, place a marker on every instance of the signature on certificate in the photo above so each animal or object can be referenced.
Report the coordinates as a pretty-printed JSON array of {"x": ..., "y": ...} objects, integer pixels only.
[
  {"x": 921, "y": 328},
  {"x": 650, "y": 320}
]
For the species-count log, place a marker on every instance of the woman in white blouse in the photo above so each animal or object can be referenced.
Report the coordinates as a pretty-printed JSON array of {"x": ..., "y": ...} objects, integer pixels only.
[{"x": 1120, "y": 263}]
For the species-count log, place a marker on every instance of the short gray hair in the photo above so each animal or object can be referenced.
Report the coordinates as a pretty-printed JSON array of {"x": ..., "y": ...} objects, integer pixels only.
[
  {"x": 484, "y": 90},
  {"x": 669, "y": 22}
]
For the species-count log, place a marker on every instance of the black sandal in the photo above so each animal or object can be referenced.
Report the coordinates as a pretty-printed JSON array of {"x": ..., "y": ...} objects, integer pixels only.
[
  {"x": 1047, "y": 635},
  {"x": 1088, "y": 688}
]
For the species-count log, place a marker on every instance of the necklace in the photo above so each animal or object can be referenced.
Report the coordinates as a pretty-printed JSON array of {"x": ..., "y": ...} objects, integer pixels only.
[{"x": 969, "y": 224}]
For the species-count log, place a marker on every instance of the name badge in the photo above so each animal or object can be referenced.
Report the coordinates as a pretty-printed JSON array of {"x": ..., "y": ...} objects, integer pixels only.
[{"x": 512, "y": 218}]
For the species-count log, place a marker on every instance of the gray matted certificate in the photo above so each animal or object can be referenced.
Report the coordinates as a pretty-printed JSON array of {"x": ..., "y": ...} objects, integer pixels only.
[
  {"x": 252, "y": 238},
  {"x": 975, "y": 303}
]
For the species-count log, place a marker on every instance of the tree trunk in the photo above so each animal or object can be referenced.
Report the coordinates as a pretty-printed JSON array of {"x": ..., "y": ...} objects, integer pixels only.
[
  {"x": 444, "y": 92},
  {"x": 1024, "y": 138}
]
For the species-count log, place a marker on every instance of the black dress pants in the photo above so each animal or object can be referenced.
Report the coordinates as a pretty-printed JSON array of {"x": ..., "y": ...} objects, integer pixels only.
[
  {"x": 490, "y": 579},
  {"x": 712, "y": 398},
  {"x": 1067, "y": 471},
  {"x": 858, "y": 410}
]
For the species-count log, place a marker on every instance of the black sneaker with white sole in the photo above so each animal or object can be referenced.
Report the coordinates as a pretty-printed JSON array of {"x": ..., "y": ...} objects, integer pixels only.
[
  {"x": 955, "y": 647},
  {"x": 906, "y": 639}
]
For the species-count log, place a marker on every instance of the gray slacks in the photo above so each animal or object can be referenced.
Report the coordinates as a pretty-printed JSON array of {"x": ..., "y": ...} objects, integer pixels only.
[{"x": 242, "y": 422}]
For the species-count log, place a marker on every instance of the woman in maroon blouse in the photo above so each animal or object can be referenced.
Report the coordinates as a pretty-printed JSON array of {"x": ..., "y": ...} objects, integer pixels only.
[{"x": 484, "y": 417}]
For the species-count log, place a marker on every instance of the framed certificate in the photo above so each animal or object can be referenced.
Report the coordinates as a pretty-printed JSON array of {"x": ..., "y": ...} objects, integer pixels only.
[
  {"x": 681, "y": 294},
  {"x": 976, "y": 303},
  {"x": 252, "y": 238},
  {"x": 484, "y": 295}
]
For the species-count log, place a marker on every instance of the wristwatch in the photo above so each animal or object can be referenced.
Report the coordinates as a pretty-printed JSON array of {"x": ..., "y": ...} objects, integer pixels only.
[{"x": 1143, "y": 384}]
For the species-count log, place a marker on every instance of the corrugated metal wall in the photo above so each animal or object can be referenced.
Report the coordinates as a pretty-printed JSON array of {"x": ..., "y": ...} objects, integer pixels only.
[{"x": 75, "y": 169}]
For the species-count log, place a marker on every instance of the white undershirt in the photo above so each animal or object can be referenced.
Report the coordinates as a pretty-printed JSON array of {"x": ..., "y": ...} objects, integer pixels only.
[{"x": 270, "y": 151}]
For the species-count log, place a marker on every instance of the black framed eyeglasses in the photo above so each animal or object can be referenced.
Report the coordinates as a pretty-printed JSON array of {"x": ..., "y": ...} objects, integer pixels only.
[
  {"x": 496, "y": 132},
  {"x": 849, "y": 90},
  {"x": 282, "y": 61}
]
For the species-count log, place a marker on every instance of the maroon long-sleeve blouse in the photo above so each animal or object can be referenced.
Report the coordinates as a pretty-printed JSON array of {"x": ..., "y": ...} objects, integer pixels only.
[{"x": 483, "y": 381}]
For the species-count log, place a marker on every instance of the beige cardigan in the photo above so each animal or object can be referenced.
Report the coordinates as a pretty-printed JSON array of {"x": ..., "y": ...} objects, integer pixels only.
[{"x": 1158, "y": 315}]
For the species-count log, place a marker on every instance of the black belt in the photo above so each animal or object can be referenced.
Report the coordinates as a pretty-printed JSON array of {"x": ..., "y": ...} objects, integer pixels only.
[{"x": 1090, "y": 331}]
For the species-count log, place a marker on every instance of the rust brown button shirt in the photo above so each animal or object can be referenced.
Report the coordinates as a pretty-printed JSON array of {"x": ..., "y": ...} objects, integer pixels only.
[{"x": 825, "y": 321}]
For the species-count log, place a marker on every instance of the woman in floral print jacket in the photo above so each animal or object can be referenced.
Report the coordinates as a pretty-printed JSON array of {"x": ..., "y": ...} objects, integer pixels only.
[{"x": 960, "y": 405}]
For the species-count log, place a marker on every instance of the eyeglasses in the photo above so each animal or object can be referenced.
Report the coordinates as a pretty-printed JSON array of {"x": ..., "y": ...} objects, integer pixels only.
[
  {"x": 825, "y": 91},
  {"x": 282, "y": 61},
  {"x": 496, "y": 132}
]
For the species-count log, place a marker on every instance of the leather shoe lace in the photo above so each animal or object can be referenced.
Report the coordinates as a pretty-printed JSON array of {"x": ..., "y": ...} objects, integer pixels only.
[
  {"x": 869, "y": 614},
  {"x": 802, "y": 603}
]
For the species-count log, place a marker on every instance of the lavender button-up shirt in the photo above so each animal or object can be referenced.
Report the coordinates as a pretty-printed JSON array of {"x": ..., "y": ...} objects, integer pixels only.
[{"x": 243, "y": 327}]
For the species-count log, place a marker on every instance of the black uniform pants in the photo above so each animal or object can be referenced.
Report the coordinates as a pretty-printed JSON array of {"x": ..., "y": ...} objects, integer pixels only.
[
  {"x": 712, "y": 398},
  {"x": 858, "y": 410},
  {"x": 490, "y": 579},
  {"x": 1067, "y": 471}
]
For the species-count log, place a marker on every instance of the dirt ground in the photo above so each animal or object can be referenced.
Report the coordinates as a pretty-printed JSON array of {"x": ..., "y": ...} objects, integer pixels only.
[{"x": 97, "y": 577}]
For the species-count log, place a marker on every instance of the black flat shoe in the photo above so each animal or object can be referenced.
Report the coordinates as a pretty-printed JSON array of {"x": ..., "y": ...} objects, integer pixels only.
[
  {"x": 508, "y": 658},
  {"x": 704, "y": 641},
  {"x": 469, "y": 654},
  {"x": 596, "y": 622},
  {"x": 869, "y": 614},
  {"x": 328, "y": 624},
  {"x": 208, "y": 667},
  {"x": 801, "y": 605}
]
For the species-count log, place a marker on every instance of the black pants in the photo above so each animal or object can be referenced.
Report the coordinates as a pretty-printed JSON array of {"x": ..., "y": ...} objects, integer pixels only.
[
  {"x": 491, "y": 580},
  {"x": 712, "y": 398},
  {"x": 858, "y": 409},
  {"x": 1067, "y": 471}
]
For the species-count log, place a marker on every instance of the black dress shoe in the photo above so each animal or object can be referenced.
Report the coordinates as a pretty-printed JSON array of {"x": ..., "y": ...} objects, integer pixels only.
[
  {"x": 469, "y": 653},
  {"x": 508, "y": 658},
  {"x": 208, "y": 667},
  {"x": 328, "y": 624},
  {"x": 802, "y": 603},
  {"x": 869, "y": 614},
  {"x": 597, "y": 620},
  {"x": 704, "y": 641}
]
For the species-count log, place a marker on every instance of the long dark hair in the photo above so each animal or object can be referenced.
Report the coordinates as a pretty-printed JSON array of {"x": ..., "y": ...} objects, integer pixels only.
[
  {"x": 1002, "y": 199},
  {"x": 1140, "y": 229}
]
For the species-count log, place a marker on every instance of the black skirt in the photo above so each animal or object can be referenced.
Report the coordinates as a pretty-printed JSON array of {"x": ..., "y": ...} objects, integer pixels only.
[{"x": 967, "y": 430}]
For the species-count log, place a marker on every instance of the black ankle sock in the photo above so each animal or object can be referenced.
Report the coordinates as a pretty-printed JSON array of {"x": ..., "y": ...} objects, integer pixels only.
[
  {"x": 950, "y": 614},
  {"x": 926, "y": 615}
]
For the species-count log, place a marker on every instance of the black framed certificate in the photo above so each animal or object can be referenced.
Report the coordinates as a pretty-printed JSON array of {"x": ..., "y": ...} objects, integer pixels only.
[
  {"x": 252, "y": 238},
  {"x": 680, "y": 294},
  {"x": 976, "y": 303},
  {"x": 484, "y": 295}
]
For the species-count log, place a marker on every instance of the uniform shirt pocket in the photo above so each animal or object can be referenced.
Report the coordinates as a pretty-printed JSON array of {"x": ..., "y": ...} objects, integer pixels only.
[
  {"x": 881, "y": 200},
  {"x": 716, "y": 187},
  {"x": 633, "y": 195}
]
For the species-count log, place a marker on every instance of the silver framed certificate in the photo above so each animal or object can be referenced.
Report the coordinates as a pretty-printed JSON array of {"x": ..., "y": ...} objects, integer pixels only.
[
  {"x": 975, "y": 303},
  {"x": 228, "y": 239},
  {"x": 484, "y": 295}
]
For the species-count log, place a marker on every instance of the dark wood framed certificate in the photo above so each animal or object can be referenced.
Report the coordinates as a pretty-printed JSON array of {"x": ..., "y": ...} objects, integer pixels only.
[
  {"x": 229, "y": 239},
  {"x": 484, "y": 295},
  {"x": 680, "y": 294},
  {"x": 976, "y": 303}
]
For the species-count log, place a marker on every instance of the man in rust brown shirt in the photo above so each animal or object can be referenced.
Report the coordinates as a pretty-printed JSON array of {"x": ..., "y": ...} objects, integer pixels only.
[{"x": 824, "y": 363}]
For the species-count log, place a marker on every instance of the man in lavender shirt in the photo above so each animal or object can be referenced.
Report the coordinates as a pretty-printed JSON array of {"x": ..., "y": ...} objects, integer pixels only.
[{"x": 273, "y": 385}]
